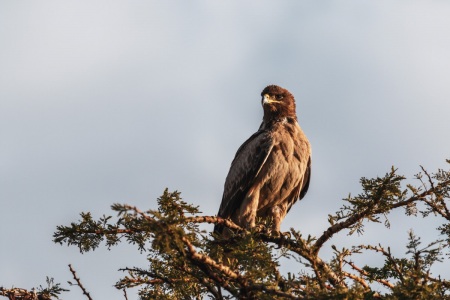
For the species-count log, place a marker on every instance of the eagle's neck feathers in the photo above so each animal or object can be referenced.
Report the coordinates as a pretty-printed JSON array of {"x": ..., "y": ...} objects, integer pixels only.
[{"x": 267, "y": 124}]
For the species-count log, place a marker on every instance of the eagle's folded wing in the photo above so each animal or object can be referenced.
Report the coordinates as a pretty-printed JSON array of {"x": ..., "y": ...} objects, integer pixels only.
[{"x": 246, "y": 165}]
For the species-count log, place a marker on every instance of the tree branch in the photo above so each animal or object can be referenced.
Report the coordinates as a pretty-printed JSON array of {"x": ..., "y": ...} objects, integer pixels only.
[
  {"x": 369, "y": 211},
  {"x": 85, "y": 292},
  {"x": 245, "y": 283},
  {"x": 364, "y": 273}
]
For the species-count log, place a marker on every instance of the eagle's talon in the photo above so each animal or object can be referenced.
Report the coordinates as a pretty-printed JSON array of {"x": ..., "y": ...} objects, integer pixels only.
[{"x": 287, "y": 235}]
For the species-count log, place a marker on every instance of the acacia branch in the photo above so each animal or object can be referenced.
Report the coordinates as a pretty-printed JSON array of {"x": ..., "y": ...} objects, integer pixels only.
[
  {"x": 204, "y": 261},
  {"x": 350, "y": 221},
  {"x": 357, "y": 279},
  {"x": 246, "y": 284},
  {"x": 370, "y": 211},
  {"x": 85, "y": 292},
  {"x": 419, "y": 197},
  {"x": 214, "y": 220},
  {"x": 445, "y": 283},
  {"x": 263, "y": 288},
  {"x": 158, "y": 279},
  {"x": 307, "y": 252},
  {"x": 341, "y": 225},
  {"x": 388, "y": 255},
  {"x": 209, "y": 261},
  {"x": 139, "y": 212},
  {"x": 366, "y": 274}
]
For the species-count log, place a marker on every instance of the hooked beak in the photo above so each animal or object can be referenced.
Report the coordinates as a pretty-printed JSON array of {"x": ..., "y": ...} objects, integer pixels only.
[{"x": 268, "y": 100}]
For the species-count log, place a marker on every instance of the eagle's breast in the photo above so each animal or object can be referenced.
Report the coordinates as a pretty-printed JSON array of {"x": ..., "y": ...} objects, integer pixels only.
[{"x": 281, "y": 176}]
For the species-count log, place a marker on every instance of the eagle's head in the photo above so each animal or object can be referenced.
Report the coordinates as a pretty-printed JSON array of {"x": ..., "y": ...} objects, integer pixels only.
[{"x": 277, "y": 103}]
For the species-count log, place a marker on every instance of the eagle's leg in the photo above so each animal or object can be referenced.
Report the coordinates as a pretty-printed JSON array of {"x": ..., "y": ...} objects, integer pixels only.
[
  {"x": 277, "y": 214},
  {"x": 248, "y": 210}
]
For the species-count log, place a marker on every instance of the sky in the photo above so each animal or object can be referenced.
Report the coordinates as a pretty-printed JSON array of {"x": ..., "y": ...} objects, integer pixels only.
[{"x": 106, "y": 102}]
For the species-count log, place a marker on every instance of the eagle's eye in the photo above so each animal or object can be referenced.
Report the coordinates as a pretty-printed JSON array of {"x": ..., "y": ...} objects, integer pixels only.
[{"x": 279, "y": 97}]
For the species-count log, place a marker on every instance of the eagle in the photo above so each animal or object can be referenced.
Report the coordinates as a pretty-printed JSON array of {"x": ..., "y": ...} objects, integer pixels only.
[{"x": 271, "y": 170}]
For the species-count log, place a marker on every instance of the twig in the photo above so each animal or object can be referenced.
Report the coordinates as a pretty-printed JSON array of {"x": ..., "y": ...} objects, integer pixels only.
[
  {"x": 388, "y": 255},
  {"x": 357, "y": 278},
  {"x": 364, "y": 273},
  {"x": 207, "y": 260},
  {"x": 301, "y": 247},
  {"x": 86, "y": 293}
]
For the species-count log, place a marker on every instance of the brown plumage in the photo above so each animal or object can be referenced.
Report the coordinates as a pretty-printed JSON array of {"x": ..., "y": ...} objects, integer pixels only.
[{"x": 272, "y": 169}]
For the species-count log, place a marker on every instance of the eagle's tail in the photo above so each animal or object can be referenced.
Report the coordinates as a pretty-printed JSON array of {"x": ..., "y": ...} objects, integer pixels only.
[{"x": 218, "y": 229}]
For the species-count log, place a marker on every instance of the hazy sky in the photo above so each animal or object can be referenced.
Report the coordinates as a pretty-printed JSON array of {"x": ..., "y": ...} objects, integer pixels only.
[{"x": 112, "y": 101}]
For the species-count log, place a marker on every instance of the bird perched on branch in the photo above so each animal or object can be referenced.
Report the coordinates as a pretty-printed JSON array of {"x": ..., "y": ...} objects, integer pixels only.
[{"x": 272, "y": 169}]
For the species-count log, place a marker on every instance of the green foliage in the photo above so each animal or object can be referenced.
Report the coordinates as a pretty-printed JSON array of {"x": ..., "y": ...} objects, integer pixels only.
[
  {"x": 186, "y": 262},
  {"x": 377, "y": 199},
  {"x": 51, "y": 290}
]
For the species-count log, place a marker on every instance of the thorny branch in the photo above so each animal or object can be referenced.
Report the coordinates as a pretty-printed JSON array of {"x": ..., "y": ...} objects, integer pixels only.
[
  {"x": 356, "y": 217},
  {"x": 244, "y": 282},
  {"x": 172, "y": 233},
  {"x": 85, "y": 292},
  {"x": 365, "y": 274},
  {"x": 388, "y": 255},
  {"x": 372, "y": 210}
]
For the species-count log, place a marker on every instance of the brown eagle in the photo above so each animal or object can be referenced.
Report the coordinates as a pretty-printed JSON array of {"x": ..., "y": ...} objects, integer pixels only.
[{"x": 272, "y": 169}]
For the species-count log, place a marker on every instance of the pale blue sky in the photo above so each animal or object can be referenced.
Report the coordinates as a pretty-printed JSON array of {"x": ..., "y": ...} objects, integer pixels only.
[{"x": 112, "y": 101}]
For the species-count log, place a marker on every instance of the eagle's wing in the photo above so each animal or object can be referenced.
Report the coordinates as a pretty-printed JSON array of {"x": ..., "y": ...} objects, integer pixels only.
[
  {"x": 306, "y": 179},
  {"x": 246, "y": 165},
  {"x": 302, "y": 188}
]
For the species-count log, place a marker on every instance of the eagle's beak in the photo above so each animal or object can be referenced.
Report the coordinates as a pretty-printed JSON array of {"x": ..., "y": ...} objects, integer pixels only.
[{"x": 268, "y": 100}]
